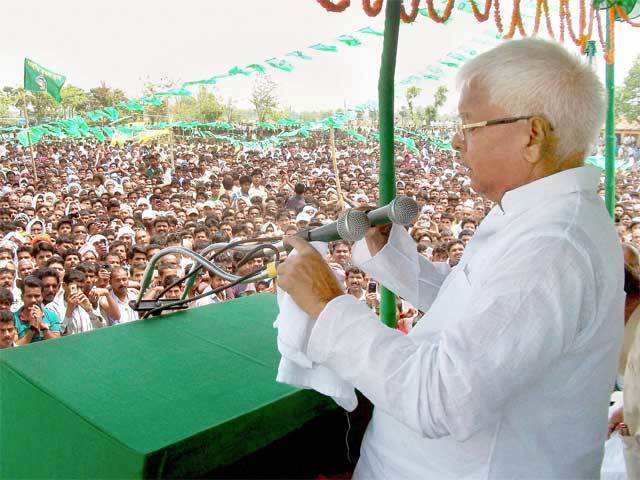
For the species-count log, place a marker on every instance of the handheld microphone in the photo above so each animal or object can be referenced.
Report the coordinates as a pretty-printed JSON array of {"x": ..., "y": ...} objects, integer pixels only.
[
  {"x": 353, "y": 224},
  {"x": 401, "y": 210},
  {"x": 350, "y": 226}
]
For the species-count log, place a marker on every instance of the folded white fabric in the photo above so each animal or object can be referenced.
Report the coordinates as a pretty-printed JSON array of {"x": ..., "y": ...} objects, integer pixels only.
[{"x": 294, "y": 327}]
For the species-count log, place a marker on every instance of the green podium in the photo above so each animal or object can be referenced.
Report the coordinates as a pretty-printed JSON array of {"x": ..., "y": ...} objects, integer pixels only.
[{"x": 174, "y": 396}]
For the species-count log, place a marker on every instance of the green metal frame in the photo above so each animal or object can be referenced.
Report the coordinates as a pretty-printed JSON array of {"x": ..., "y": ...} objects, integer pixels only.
[
  {"x": 610, "y": 135},
  {"x": 387, "y": 176}
]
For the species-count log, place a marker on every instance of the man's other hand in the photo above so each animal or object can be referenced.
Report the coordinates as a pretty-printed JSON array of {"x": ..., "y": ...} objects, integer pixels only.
[
  {"x": 308, "y": 278},
  {"x": 376, "y": 237}
]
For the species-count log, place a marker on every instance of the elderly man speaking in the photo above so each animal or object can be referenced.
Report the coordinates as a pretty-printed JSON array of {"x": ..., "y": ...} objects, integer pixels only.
[{"x": 508, "y": 374}]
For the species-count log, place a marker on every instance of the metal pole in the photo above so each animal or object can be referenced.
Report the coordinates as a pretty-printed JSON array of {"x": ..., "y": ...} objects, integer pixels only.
[
  {"x": 26, "y": 119},
  {"x": 610, "y": 137},
  {"x": 334, "y": 161},
  {"x": 387, "y": 181}
]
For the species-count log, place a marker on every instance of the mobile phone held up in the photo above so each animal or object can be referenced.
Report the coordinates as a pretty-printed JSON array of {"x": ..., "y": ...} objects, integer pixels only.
[{"x": 373, "y": 286}]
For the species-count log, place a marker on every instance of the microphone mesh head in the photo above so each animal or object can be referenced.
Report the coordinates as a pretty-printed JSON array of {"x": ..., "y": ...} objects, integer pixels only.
[
  {"x": 403, "y": 210},
  {"x": 352, "y": 225}
]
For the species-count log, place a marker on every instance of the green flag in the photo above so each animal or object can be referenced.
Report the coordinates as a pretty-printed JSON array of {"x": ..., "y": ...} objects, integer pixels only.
[
  {"x": 97, "y": 133},
  {"x": 132, "y": 105},
  {"x": 299, "y": 54},
  {"x": 155, "y": 101},
  {"x": 321, "y": 47},
  {"x": 457, "y": 56},
  {"x": 280, "y": 64},
  {"x": 96, "y": 115},
  {"x": 238, "y": 71},
  {"x": 111, "y": 113},
  {"x": 208, "y": 81},
  {"x": 181, "y": 92},
  {"x": 288, "y": 122},
  {"x": 371, "y": 31},
  {"x": 349, "y": 40},
  {"x": 355, "y": 135},
  {"x": 449, "y": 63},
  {"x": 39, "y": 79},
  {"x": 257, "y": 67}
]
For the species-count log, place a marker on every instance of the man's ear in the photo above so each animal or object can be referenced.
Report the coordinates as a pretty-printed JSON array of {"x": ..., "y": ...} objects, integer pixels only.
[{"x": 539, "y": 137}]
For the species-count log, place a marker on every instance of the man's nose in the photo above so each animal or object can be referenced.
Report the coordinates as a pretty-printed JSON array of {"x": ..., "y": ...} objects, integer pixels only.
[{"x": 457, "y": 142}]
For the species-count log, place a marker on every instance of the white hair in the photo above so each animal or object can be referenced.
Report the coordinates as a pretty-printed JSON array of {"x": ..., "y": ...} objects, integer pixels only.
[{"x": 538, "y": 77}]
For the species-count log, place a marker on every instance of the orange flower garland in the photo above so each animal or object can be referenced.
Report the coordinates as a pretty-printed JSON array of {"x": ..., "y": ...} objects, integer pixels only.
[
  {"x": 434, "y": 14},
  {"x": 580, "y": 37},
  {"x": 536, "y": 24},
  {"x": 372, "y": 10},
  {"x": 480, "y": 16},
  {"x": 609, "y": 54},
  {"x": 516, "y": 21},
  {"x": 496, "y": 16},
  {"x": 547, "y": 16},
  {"x": 409, "y": 17},
  {"x": 564, "y": 11},
  {"x": 339, "y": 6},
  {"x": 603, "y": 42}
]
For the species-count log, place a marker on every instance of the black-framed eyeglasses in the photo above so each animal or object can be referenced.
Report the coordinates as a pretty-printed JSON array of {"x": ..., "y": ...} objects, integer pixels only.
[{"x": 461, "y": 129}]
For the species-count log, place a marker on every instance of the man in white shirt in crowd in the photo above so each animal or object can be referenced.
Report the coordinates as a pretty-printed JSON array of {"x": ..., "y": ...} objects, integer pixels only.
[
  {"x": 509, "y": 373},
  {"x": 74, "y": 309},
  {"x": 455, "y": 249},
  {"x": 354, "y": 281},
  {"x": 115, "y": 306},
  {"x": 257, "y": 188}
]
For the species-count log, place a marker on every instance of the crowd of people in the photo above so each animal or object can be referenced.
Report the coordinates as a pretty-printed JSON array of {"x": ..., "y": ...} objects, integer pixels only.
[{"x": 79, "y": 231}]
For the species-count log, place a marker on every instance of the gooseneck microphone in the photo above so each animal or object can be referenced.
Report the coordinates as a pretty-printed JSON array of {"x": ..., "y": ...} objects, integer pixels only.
[{"x": 353, "y": 224}]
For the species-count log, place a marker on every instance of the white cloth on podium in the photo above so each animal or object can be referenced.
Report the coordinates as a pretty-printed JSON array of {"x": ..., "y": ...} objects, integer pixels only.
[{"x": 294, "y": 327}]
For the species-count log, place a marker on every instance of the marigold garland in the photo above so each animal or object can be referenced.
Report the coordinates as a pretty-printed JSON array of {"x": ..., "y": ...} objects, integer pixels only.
[
  {"x": 536, "y": 24},
  {"x": 564, "y": 10},
  {"x": 562, "y": 23},
  {"x": 409, "y": 17},
  {"x": 516, "y": 21},
  {"x": 542, "y": 8},
  {"x": 603, "y": 42},
  {"x": 609, "y": 55},
  {"x": 496, "y": 16},
  {"x": 481, "y": 16},
  {"x": 339, "y": 6},
  {"x": 434, "y": 14},
  {"x": 580, "y": 37},
  {"x": 372, "y": 10}
]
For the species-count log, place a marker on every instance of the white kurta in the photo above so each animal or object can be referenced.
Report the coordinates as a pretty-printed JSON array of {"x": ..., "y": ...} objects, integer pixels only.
[{"x": 509, "y": 372}]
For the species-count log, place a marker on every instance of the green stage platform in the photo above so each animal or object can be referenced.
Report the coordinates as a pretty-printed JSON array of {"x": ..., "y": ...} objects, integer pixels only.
[{"x": 173, "y": 396}]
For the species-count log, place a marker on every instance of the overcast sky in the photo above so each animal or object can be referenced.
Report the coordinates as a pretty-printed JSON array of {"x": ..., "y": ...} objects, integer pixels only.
[{"x": 125, "y": 42}]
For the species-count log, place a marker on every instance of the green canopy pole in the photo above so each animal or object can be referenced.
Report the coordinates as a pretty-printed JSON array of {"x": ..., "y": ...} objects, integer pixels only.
[
  {"x": 387, "y": 180},
  {"x": 610, "y": 137}
]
